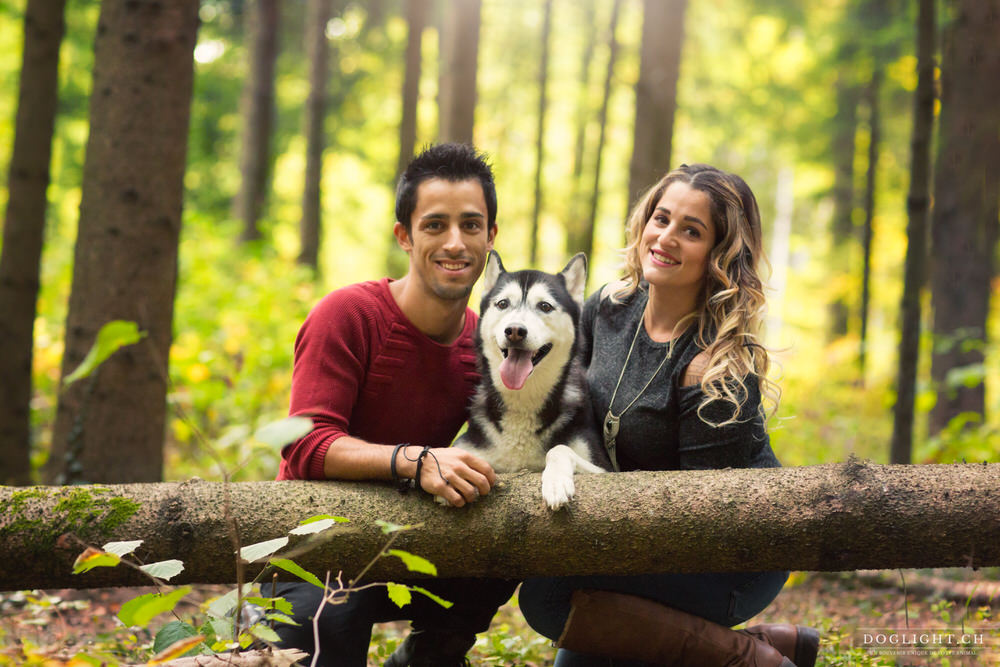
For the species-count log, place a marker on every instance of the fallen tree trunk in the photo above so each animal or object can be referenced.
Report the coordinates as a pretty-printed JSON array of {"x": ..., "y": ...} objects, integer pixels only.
[{"x": 830, "y": 517}]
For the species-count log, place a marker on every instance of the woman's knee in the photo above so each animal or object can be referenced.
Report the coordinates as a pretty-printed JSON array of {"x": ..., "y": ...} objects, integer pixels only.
[{"x": 544, "y": 603}]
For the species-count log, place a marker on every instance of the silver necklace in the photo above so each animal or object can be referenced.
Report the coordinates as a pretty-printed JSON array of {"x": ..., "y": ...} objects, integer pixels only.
[{"x": 612, "y": 422}]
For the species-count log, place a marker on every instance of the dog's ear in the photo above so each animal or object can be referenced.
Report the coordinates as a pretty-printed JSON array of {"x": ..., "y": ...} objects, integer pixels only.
[
  {"x": 575, "y": 275},
  {"x": 494, "y": 269}
]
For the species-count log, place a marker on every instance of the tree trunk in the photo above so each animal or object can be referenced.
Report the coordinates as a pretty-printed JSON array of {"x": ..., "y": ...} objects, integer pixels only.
[
  {"x": 842, "y": 228},
  {"x": 917, "y": 208},
  {"x": 317, "y": 15},
  {"x": 257, "y": 110},
  {"x": 964, "y": 223},
  {"x": 109, "y": 427},
  {"x": 830, "y": 517},
  {"x": 24, "y": 228},
  {"x": 575, "y": 226},
  {"x": 589, "y": 230},
  {"x": 459, "y": 58},
  {"x": 543, "y": 79},
  {"x": 874, "y": 137},
  {"x": 416, "y": 20},
  {"x": 656, "y": 93}
]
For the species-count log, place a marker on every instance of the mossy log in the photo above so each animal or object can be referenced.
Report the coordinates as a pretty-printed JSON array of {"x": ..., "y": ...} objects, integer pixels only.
[{"x": 829, "y": 517}]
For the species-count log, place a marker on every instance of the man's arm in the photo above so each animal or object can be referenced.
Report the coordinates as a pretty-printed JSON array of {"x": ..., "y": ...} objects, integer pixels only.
[{"x": 456, "y": 475}]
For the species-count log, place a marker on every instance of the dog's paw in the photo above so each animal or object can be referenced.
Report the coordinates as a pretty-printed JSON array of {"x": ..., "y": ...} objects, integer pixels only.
[{"x": 557, "y": 489}]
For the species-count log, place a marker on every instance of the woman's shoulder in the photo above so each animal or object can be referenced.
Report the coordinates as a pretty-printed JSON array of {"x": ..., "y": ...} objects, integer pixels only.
[{"x": 612, "y": 299}]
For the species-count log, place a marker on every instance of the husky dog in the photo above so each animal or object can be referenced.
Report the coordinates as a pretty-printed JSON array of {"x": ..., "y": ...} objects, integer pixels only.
[{"x": 531, "y": 410}]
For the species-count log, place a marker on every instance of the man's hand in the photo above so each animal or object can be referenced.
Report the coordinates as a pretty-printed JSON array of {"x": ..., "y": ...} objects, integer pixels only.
[{"x": 456, "y": 475}]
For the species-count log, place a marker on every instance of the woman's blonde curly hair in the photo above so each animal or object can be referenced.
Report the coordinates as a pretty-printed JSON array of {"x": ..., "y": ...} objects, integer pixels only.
[{"x": 731, "y": 306}]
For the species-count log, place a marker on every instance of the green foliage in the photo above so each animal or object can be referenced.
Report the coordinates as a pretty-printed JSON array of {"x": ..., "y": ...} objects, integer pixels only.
[{"x": 112, "y": 336}]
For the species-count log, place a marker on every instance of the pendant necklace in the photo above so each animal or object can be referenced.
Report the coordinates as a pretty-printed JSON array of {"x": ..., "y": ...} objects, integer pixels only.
[{"x": 613, "y": 421}]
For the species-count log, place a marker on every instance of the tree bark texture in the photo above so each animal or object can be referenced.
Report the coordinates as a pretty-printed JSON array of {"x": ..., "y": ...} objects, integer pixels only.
[
  {"x": 257, "y": 110},
  {"x": 416, "y": 21},
  {"x": 964, "y": 223},
  {"x": 874, "y": 138},
  {"x": 830, "y": 517},
  {"x": 543, "y": 80},
  {"x": 459, "y": 62},
  {"x": 656, "y": 93},
  {"x": 317, "y": 15},
  {"x": 918, "y": 210},
  {"x": 24, "y": 229},
  {"x": 843, "y": 234},
  {"x": 109, "y": 427}
]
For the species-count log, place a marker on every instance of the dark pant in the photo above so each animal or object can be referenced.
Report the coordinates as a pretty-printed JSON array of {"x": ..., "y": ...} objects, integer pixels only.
[
  {"x": 345, "y": 628},
  {"x": 724, "y": 598}
]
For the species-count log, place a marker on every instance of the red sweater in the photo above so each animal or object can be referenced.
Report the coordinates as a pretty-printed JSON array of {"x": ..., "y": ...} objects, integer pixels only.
[{"x": 363, "y": 369}]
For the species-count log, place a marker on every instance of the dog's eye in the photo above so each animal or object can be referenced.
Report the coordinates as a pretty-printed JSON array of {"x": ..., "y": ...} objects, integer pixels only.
[
  {"x": 545, "y": 307},
  {"x": 502, "y": 304}
]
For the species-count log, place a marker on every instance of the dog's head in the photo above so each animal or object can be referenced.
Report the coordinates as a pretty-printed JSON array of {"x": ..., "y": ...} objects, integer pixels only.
[{"x": 528, "y": 322}]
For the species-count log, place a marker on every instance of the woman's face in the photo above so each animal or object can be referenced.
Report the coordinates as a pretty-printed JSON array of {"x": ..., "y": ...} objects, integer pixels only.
[{"x": 677, "y": 240}]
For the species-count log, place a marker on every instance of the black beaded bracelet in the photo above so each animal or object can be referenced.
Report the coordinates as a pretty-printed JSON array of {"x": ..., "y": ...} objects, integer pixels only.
[
  {"x": 420, "y": 466},
  {"x": 402, "y": 484}
]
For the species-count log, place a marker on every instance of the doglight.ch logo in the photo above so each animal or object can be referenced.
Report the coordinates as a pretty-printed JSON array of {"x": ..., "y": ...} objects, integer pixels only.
[{"x": 980, "y": 644}]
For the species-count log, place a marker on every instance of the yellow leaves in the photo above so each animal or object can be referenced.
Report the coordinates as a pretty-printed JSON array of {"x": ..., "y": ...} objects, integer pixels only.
[{"x": 176, "y": 650}]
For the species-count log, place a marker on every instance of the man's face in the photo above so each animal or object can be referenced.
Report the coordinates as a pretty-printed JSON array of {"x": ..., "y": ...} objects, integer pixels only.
[{"x": 448, "y": 240}]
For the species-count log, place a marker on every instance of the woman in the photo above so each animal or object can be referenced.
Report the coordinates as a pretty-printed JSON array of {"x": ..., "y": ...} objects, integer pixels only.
[{"x": 677, "y": 385}]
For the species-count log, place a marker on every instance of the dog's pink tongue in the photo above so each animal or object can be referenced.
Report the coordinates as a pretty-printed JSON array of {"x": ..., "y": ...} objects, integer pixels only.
[{"x": 515, "y": 369}]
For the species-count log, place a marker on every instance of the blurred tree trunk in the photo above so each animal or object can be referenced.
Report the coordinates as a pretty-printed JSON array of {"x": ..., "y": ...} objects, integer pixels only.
[
  {"x": 964, "y": 223},
  {"x": 842, "y": 230},
  {"x": 543, "y": 79},
  {"x": 110, "y": 427},
  {"x": 588, "y": 235},
  {"x": 656, "y": 93},
  {"x": 416, "y": 20},
  {"x": 575, "y": 226},
  {"x": 917, "y": 208},
  {"x": 24, "y": 229},
  {"x": 874, "y": 138},
  {"x": 317, "y": 15},
  {"x": 257, "y": 111},
  {"x": 459, "y": 61}
]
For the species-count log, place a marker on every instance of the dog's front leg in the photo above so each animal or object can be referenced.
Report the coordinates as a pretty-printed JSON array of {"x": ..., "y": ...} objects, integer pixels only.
[{"x": 557, "y": 477}]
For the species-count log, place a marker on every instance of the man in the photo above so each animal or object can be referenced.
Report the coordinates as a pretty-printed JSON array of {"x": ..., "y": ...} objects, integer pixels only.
[{"x": 384, "y": 363}]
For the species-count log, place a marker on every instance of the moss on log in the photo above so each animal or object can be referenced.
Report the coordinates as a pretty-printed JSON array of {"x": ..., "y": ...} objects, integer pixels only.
[{"x": 829, "y": 517}]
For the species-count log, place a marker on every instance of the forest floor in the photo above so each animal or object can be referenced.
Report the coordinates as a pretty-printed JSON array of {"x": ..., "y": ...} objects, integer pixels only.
[{"x": 865, "y": 618}]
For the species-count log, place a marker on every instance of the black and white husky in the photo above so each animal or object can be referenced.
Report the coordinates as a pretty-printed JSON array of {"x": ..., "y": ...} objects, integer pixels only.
[{"x": 531, "y": 410}]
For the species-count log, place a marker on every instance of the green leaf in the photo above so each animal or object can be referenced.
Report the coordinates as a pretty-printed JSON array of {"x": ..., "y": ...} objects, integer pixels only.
[
  {"x": 280, "y": 604},
  {"x": 121, "y": 548},
  {"x": 321, "y": 517},
  {"x": 280, "y": 433},
  {"x": 389, "y": 527},
  {"x": 111, "y": 337},
  {"x": 261, "y": 550},
  {"x": 441, "y": 601},
  {"x": 138, "y": 612},
  {"x": 316, "y": 526},
  {"x": 164, "y": 569},
  {"x": 92, "y": 558},
  {"x": 265, "y": 632},
  {"x": 294, "y": 568},
  {"x": 413, "y": 562},
  {"x": 281, "y": 618},
  {"x": 399, "y": 594},
  {"x": 173, "y": 632},
  {"x": 222, "y": 606}
]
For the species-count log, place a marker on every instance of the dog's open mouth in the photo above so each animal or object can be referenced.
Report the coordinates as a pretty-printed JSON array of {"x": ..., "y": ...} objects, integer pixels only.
[{"x": 518, "y": 363}]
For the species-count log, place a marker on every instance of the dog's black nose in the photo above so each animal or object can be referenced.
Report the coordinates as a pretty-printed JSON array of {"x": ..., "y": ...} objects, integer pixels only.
[{"x": 515, "y": 333}]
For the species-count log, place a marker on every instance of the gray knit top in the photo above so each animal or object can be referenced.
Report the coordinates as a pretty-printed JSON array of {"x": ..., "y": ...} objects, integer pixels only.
[{"x": 662, "y": 429}]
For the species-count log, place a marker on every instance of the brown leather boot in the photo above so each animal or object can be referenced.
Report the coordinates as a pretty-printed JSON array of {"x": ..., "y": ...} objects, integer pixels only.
[
  {"x": 616, "y": 625},
  {"x": 796, "y": 642}
]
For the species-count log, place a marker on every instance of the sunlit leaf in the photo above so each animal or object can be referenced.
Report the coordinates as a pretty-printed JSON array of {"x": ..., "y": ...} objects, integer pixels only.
[
  {"x": 138, "y": 612},
  {"x": 225, "y": 604},
  {"x": 122, "y": 548},
  {"x": 280, "y": 433},
  {"x": 111, "y": 337},
  {"x": 321, "y": 517},
  {"x": 282, "y": 618},
  {"x": 92, "y": 558},
  {"x": 413, "y": 562},
  {"x": 399, "y": 594},
  {"x": 164, "y": 569},
  {"x": 389, "y": 527},
  {"x": 314, "y": 527},
  {"x": 280, "y": 604},
  {"x": 441, "y": 601},
  {"x": 297, "y": 570},
  {"x": 254, "y": 552},
  {"x": 265, "y": 632}
]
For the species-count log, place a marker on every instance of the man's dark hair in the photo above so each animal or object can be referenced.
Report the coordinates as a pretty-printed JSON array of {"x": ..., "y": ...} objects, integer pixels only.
[{"x": 451, "y": 162}]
